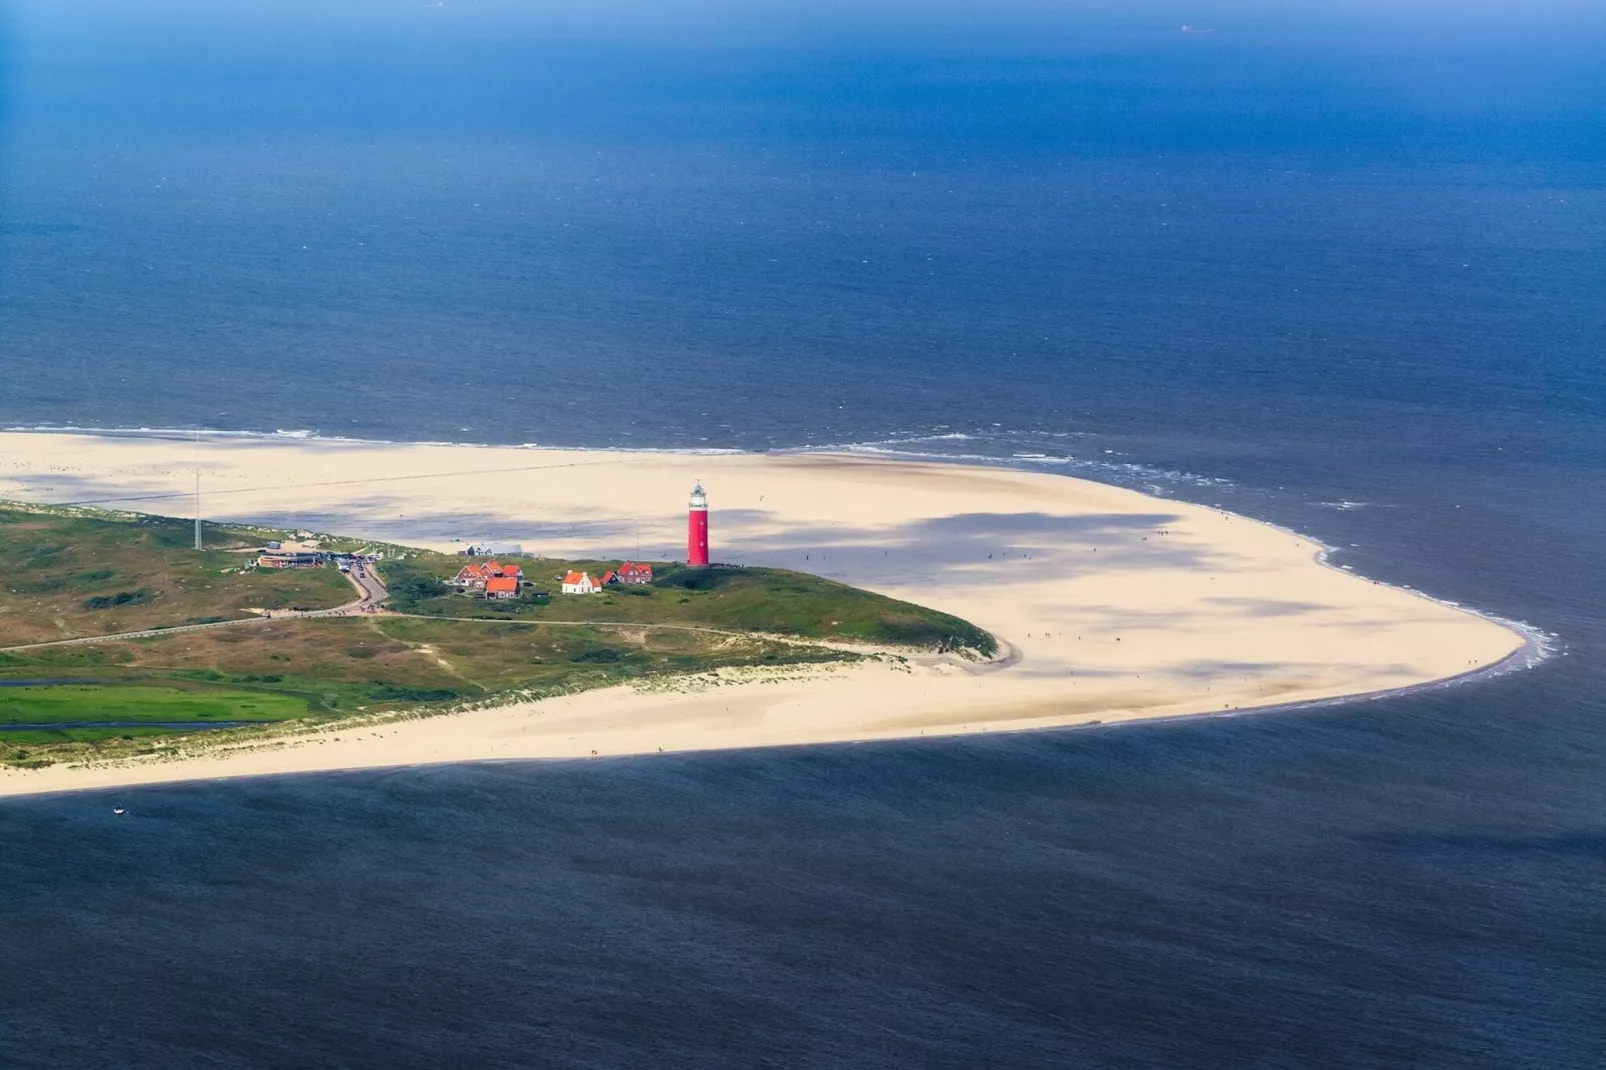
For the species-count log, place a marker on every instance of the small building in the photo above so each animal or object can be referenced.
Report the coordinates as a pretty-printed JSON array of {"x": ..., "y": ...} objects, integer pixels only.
[
  {"x": 485, "y": 549},
  {"x": 291, "y": 559},
  {"x": 502, "y": 587},
  {"x": 580, "y": 583},
  {"x": 632, "y": 574}
]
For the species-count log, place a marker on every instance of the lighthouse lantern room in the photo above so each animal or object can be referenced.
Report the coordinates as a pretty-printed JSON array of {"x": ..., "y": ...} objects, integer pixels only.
[{"x": 697, "y": 528}]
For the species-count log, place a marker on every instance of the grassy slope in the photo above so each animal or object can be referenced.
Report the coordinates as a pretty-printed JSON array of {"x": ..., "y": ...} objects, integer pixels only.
[
  {"x": 770, "y": 600},
  {"x": 61, "y": 577}
]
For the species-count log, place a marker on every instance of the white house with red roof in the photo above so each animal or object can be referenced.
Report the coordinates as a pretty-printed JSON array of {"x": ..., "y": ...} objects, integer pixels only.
[{"x": 581, "y": 583}]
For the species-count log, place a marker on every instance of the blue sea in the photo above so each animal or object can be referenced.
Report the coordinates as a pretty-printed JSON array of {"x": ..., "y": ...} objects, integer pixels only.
[{"x": 1342, "y": 268}]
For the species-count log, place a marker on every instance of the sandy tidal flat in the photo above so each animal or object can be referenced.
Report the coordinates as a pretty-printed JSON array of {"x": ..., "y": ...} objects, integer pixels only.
[{"x": 1113, "y": 605}]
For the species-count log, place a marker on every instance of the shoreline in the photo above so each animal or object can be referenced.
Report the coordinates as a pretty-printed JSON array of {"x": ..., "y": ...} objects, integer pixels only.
[
  {"x": 1500, "y": 668},
  {"x": 1215, "y": 600}
]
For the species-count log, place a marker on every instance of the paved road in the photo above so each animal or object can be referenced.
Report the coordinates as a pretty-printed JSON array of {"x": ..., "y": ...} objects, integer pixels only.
[
  {"x": 370, "y": 589},
  {"x": 370, "y": 586}
]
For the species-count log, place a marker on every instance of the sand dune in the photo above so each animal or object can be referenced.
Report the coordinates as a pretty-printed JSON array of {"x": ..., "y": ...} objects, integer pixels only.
[{"x": 1115, "y": 605}]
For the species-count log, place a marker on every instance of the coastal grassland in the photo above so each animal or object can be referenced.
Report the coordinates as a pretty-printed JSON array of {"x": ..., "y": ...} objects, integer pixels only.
[
  {"x": 768, "y": 600},
  {"x": 68, "y": 573},
  {"x": 65, "y": 574},
  {"x": 325, "y": 669}
]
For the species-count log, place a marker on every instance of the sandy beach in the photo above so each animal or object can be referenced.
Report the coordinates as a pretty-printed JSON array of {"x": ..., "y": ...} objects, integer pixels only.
[{"x": 1112, "y": 605}]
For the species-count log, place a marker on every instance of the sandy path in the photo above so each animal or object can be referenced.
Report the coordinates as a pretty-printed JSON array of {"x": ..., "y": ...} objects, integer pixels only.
[{"x": 1120, "y": 605}]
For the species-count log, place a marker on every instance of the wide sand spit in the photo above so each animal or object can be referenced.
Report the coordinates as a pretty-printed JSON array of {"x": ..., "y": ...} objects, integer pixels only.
[{"x": 1110, "y": 605}]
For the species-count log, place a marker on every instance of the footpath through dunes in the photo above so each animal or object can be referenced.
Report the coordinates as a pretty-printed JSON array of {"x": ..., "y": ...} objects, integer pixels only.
[{"x": 1114, "y": 605}]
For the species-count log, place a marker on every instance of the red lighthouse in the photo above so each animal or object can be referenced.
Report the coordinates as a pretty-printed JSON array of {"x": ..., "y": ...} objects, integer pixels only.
[{"x": 697, "y": 528}]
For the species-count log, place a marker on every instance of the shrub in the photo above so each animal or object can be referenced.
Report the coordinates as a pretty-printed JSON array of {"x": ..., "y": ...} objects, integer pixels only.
[
  {"x": 409, "y": 586},
  {"x": 117, "y": 601},
  {"x": 699, "y": 579},
  {"x": 390, "y": 693},
  {"x": 943, "y": 633}
]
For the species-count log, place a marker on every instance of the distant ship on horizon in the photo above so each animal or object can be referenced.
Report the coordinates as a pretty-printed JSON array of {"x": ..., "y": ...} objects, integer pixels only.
[{"x": 1195, "y": 29}]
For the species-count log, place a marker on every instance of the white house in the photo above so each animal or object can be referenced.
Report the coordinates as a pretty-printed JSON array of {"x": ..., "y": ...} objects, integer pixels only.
[{"x": 581, "y": 583}]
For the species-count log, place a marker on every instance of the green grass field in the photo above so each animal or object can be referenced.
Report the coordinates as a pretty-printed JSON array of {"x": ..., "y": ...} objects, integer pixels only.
[
  {"x": 71, "y": 719},
  {"x": 79, "y": 703}
]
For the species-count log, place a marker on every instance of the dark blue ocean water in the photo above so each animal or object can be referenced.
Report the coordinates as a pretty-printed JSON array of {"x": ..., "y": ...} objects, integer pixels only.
[{"x": 1341, "y": 270}]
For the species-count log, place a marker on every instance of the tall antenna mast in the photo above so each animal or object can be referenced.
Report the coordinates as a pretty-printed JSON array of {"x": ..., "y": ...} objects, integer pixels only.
[{"x": 197, "y": 490}]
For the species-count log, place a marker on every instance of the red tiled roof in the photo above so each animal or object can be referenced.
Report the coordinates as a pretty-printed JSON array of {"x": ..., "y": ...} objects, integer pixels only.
[
  {"x": 607, "y": 578},
  {"x": 505, "y": 583},
  {"x": 573, "y": 577},
  {"x": 492, "y": 568}
]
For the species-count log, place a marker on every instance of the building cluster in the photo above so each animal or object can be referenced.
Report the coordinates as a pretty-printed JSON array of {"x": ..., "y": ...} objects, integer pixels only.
[
  {"x": 292, "y": 559},
  {"x": 495, "y": 580},
  {"x": 630, "y": 574},
  {"x": 275, "y": 557},
  {"x": 492, "y": 579}
]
